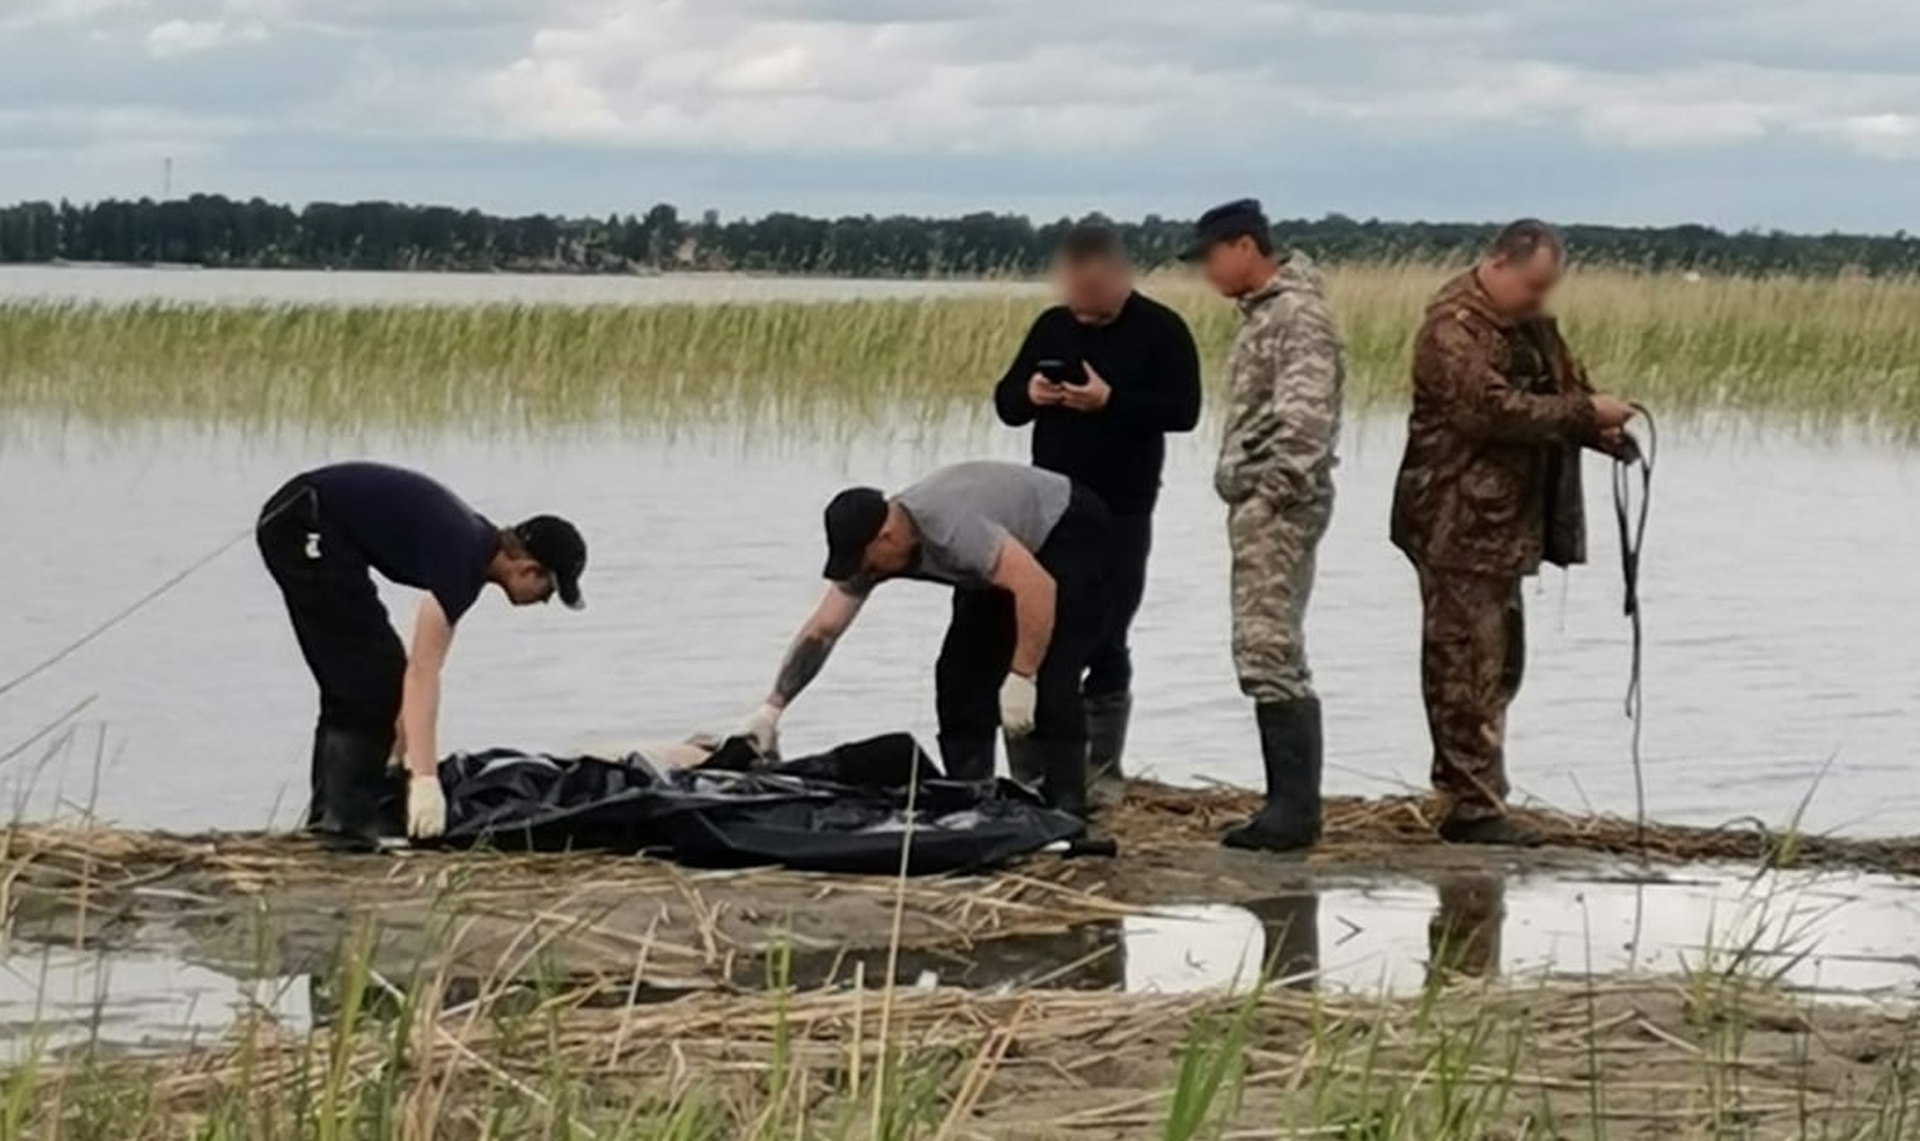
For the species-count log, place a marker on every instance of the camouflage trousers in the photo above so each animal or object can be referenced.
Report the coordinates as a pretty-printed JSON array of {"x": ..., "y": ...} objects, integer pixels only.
[
  {"x": 1273, "y": 567},
  {"x": 1472, "y": 654}
]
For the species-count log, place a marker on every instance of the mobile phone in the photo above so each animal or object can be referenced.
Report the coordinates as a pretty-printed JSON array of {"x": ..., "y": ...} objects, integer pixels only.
[{"x": 1062, "y": 372}]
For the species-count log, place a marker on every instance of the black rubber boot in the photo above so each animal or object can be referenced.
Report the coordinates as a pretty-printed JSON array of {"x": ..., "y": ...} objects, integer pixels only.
[
  {"x": 1107, "y": 718},
  {"x": 316, "y": 783},
  {"x": 1492, "y": 831},
  {"x": 351, "y": 772},
  {"x": 1023, "y": 761},
  {"x": 1290, "y": 746},
  {"x": 1065, "y": 766},
  {"x": 967, "y": 758}
]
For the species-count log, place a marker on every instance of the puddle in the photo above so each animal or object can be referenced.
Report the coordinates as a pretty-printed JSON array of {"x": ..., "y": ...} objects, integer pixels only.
[
  {"x": 53, "y": 1000},
  {"x": 1832, "y": 936},
  {"x": 1826, "y": 935}
]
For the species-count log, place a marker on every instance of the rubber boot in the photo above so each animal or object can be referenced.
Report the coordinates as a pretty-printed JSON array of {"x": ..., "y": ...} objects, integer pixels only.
[
  {"x": 1064, "y": 765},
  {"x": 1290, "y": 746},
  {"x": 1024, "y": 761},
  {"x": 964, "y": 758},
  {"x": 1492, "y": 831},
  {"x": 1107, "y": 718},
  {"x": 316, "y": 783},
  {"x": 352, "y": 773}
]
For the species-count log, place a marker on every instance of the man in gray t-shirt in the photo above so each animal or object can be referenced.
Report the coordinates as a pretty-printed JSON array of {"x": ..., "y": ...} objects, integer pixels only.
[
  {"x": 1024, "y": 551},
  {"x": 959, "y": 515}
]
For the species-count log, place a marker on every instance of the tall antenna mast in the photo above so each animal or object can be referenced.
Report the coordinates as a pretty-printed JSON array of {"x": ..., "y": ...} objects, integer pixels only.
[{"x": 166, "y": 179}]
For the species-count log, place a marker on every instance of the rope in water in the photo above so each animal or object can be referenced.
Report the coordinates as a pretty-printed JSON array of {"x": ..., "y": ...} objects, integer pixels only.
[
  {"x": 148, "y": 598},
  {"x": 1635, "y": 459},
  {"x": 135, "y": 607}
]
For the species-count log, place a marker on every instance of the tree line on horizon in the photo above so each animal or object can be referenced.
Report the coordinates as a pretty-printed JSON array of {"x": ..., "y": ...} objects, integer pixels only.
[{"x": 216, "y": 231}]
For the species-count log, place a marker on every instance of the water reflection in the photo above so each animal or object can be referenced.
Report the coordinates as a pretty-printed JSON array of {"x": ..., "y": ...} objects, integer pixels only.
[
  {"x": 1290, "y": 931},
  {"x": 1839, "y": 935},
  {"x": 54, "y": 1000},
  {"x": 1463, "y": 937}
]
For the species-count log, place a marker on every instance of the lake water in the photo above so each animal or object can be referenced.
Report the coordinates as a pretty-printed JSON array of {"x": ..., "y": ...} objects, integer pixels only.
[
  {"x": 119, "y": 285},
  {"x": 1782, "y": 658}
]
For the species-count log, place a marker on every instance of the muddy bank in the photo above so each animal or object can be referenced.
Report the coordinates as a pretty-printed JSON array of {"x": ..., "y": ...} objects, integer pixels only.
[{"x": 277, "y": 905}]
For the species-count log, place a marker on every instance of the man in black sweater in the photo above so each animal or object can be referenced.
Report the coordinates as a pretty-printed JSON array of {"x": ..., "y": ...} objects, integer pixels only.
[{"x": 1102, "y": 377}]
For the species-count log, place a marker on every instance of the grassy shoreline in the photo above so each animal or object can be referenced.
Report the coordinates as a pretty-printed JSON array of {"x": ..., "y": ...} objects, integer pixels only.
[
  {"x": 1713, "y": 1053},
  {"x": 400, "y": 1042},
  {"x": 1823, "y": 353}
]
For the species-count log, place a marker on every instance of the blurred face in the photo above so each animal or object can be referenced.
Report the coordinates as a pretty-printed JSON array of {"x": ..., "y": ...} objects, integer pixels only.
[
  {"x": 526, "y": 581},
  {"x": 1234, "y": 268},
  {"x": 1519, "y": 287},
  {"x": 1092, "y": 288}
]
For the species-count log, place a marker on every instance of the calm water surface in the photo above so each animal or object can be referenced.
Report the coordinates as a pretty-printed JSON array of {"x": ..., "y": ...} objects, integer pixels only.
[
  {"x": 119, "y": 285},
  {"x": 1778, "y": 589}
]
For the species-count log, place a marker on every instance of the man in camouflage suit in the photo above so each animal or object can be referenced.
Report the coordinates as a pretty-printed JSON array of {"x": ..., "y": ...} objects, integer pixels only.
[
  {"x": 1488, "y": 489},
  {"x": 1275, "y": 472}
]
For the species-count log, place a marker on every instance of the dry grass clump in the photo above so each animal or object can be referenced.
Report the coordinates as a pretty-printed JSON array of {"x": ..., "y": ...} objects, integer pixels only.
[{"x": 1606, "y": 1060}]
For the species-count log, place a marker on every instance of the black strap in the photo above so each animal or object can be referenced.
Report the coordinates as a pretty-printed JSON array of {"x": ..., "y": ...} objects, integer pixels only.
[{"x": 1630, "y": 460}]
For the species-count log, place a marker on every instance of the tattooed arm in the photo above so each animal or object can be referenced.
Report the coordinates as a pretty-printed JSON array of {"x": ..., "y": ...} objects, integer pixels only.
[{"x": 810, "y": 650}]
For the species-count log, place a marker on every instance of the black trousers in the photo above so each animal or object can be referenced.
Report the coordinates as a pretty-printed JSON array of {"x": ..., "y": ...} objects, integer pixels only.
[
  {"x": 1110, "y": 669},
  {"x": 351, "y": 648},
  {"x": 980, "y": 638}
]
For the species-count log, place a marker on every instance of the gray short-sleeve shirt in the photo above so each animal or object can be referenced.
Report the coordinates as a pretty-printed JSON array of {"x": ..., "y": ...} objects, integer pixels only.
[{"x": 961, "y": 513}]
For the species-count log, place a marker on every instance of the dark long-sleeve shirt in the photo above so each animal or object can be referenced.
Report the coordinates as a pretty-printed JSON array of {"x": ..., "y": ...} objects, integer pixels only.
[{"x": 1147, "y": 355}]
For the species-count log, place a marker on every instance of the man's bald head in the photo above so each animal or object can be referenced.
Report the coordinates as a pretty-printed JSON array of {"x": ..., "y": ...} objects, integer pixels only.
[{"x": 1522, "y": 265}]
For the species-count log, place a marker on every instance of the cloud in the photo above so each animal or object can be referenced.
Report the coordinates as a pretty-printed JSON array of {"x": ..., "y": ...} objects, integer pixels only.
[
  {"x": 1028, "y": 96},
  {"x": 192, "y": 37},
  {"x": 24, "y": 15},
  {"x": 1888, "y": 134},
  {"x": 867, "y": 76}
]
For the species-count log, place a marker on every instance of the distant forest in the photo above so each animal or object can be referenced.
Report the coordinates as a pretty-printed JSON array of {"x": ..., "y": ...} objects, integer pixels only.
[{"x": 211, "y": 230}]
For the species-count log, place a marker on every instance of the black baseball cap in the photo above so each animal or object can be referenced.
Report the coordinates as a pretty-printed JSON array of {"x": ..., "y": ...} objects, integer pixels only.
[
  {"x": 854, "y": 518},
  {"x": 1237, "y": 219},
  {"x": 556, "y": 545}
]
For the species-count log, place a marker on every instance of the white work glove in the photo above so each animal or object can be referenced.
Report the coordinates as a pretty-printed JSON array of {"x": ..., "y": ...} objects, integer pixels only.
[
  {"x": 426, "y": 807},
  {"x": 762, "y": 729},
  {"x": 1017, "y": 695}
]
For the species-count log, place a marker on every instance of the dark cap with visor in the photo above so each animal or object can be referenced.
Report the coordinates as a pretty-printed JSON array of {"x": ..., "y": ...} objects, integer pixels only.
[{"x": 557, "y": 546}]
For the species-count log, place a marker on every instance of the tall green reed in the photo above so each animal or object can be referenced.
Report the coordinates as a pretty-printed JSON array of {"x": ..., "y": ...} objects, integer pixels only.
[{"x": 1820, "y": 352}]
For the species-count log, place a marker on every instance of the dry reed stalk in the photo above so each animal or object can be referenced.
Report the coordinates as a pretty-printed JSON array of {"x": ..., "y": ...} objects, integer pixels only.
[{"x": 1038, "y": 1032}]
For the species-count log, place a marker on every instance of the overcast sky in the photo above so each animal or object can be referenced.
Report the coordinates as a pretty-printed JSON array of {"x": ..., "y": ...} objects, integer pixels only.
[{"x": 1789, "y": 113}]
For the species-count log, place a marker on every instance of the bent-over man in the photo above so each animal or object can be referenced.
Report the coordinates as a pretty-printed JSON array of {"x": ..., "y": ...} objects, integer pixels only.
[
  {"x": 1024, "y": 551},
  {"x": 1103, "y": 377},
  {"x": 1489, "y": 488},
  {"x": 321, "y": 535},
  {"x": 1285, "y": 378}
]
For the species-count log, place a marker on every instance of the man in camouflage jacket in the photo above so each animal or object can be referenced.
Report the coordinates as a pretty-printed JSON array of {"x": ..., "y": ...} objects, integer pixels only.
[
  {"x": 1275, "y": 473},
  {"x": 1488, "y": 489}
]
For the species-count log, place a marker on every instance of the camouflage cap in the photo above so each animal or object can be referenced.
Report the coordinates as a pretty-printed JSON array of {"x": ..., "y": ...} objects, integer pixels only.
[{"x": 1224, "y": 223}]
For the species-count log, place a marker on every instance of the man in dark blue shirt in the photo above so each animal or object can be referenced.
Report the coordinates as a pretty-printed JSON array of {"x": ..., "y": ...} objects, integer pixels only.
[
  {"x": 320, "y": 536},
  {"x": 1103, "y": 377}
]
